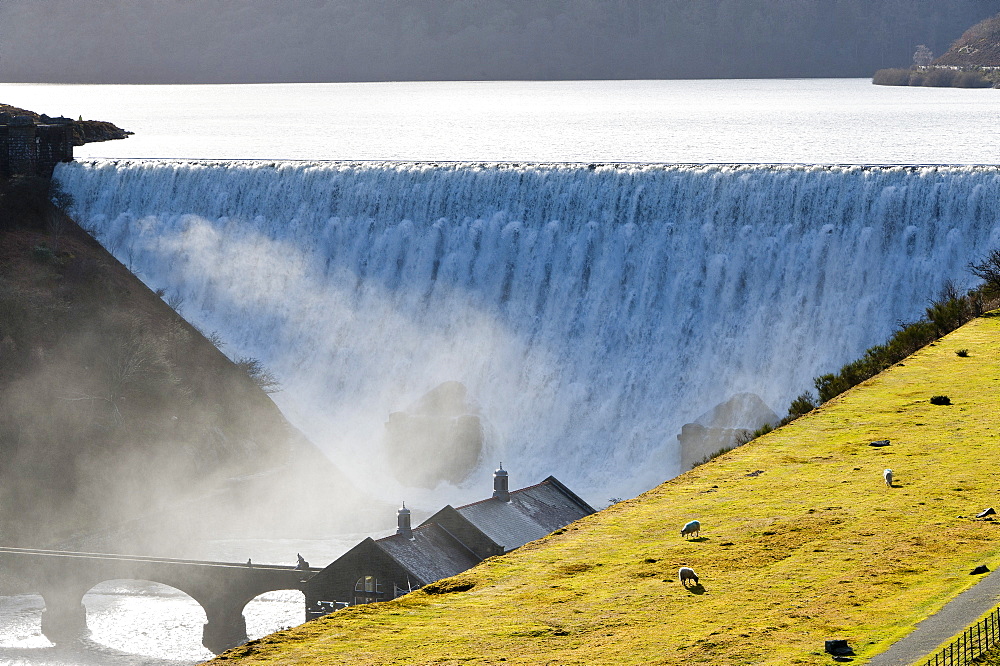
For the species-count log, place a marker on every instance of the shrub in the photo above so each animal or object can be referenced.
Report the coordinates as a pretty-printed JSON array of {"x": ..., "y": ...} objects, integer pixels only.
[
  {"x": 258, "y": 374},
  {"x": 724, "y": 449},
  {"x": 801, "y": 405},
  {"x": 175, "y": 300},
  {"x": 962, "y": 352},
  {"x": 744, "y": 437},
  {"x": 947, "y": 315},
  {"x": 940, "y": 400},
  {"x": 940, "y": 78},
  {"x": 59, "y": 197},
  {"x": 972, "y": 80},
  {"x": 988, "y": 270},
  {"x": 892, "y": 77}
]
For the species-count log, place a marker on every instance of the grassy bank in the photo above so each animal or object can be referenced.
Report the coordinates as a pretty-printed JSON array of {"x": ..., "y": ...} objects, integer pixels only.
[{"x": 801, "y": 542}]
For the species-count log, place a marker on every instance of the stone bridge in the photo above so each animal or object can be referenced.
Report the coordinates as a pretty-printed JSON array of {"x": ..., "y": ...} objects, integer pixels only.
[{"x": 222, "y": 588}]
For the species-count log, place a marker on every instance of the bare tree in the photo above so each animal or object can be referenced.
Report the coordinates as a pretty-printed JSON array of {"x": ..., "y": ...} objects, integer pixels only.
[
  {"x": 923, "y": 56},
  {"x": 988, "y": 270},
  {"x": 265, "y": 380}
]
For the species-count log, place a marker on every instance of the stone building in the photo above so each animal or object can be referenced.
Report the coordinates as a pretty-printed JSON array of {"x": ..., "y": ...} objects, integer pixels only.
[
  {"x": 447, "y": 543},
  {"x": 33, "y": 149}
]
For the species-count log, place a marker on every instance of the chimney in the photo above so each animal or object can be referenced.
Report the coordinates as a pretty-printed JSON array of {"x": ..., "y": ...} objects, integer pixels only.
[
  {"x": 403, "y": 522},
  {"x": 500, "y": 491}
]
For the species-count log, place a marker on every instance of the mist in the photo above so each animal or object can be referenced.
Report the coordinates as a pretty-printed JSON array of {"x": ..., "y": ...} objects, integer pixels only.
[{"x": 239, "y": 41}]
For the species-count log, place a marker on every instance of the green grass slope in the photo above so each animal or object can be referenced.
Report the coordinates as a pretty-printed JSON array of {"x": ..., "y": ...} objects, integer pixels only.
[{"x": 801, "y": 542}]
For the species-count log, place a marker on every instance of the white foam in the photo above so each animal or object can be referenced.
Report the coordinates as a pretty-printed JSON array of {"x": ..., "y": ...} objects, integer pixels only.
[{"x": 589, "y": 311}]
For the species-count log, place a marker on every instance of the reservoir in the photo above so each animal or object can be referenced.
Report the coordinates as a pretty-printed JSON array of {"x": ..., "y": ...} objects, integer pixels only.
[{"x": 803, "y": 121}]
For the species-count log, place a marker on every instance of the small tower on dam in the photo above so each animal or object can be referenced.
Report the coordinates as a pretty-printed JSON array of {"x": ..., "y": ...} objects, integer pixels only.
[{"x": 30, "y": 149}]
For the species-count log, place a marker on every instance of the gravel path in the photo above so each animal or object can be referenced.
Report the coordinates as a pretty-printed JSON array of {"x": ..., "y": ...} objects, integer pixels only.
[{"x": 955, "y": 617}]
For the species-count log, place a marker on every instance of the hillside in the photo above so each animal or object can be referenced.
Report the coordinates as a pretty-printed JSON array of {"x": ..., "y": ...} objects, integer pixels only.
[
  {"x": 118, "y": 418},
  {"x": 979, "y": 46},
  {"x": 801, "y": 542},
  {"x": 253, "y": 41}
]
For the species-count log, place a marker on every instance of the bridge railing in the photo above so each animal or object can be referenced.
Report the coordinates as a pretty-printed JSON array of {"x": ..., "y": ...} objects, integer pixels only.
[
  {"x": 145, "y": 558},
  {"x": 970, "y": 645}
]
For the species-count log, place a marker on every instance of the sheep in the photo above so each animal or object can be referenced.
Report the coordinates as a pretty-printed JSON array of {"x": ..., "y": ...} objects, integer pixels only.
[
  {"x": 694, "y": 527},
  {"x": 687, "y": 574},
  {"x": 888, "y": 477}
]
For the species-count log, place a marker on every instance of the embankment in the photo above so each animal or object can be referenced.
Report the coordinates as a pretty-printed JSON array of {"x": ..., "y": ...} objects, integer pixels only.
[
  {"x": 801, "y": 541},
  {"x": 118, "y": 418}
]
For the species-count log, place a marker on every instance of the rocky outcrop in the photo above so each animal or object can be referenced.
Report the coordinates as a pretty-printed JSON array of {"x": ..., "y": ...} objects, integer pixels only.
[
  {"x": 438, "y": 438},
  {"x": 719, "y": 427},
  {"x": 84, "y": 131}
]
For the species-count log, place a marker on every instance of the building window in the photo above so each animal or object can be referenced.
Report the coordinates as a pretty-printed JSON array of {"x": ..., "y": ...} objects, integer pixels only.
[
  {"x": 368, "y": 584},
  {"x": 368, "y": 590}
]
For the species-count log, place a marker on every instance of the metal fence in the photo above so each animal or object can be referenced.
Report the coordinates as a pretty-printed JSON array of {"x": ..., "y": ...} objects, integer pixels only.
[{"x": 976, "y": 640}]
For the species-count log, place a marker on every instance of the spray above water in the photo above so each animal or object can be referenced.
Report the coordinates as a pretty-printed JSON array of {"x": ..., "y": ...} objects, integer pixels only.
[{"x": 587, "y": 313}]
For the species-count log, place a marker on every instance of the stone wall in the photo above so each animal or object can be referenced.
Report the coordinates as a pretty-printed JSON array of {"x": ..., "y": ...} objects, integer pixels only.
[{"x": 28, "y": 149}]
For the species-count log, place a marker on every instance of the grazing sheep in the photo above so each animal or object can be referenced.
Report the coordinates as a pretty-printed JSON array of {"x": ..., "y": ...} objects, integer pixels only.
[
  {"x": 888, "y": 477},
  {"x": 694, "y": 527},
  {"x": 687, "y": 574}
]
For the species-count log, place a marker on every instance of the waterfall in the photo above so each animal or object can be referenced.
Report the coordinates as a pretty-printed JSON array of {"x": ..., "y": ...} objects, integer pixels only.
[{"x": 589, "y": 310}]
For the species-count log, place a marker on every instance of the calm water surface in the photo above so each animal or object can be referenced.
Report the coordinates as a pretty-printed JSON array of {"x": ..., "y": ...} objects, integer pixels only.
[{"x": 820, "y": 121}]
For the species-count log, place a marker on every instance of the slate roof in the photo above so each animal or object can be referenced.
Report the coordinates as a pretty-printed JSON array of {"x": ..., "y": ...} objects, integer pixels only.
[
  {"x": 431, "y": 555},
  {"x": 532, "y": 513}
]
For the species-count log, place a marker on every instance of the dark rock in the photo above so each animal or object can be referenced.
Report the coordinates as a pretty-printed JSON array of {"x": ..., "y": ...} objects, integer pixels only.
[
  {"x": 718, "y": 428},
  {"x": 838, "y": 647},
  {"x": 987, "y": 512},
  {"x": 439, "y": 438},
  {"x": 981, "y": 569},
  {"x": 881, "y": 442}
]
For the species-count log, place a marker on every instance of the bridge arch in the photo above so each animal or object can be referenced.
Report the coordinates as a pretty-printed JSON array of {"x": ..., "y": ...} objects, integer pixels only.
[
  {"x": 273, "y": 611},
  {"x": 222, "y": 589},
  {"x": 144, "y": 617}
]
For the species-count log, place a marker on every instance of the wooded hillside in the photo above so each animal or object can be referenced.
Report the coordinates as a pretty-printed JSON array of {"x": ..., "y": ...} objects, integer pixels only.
[
  {"x": 373, "y": 40},
  {"x": 979, "y": 46}
]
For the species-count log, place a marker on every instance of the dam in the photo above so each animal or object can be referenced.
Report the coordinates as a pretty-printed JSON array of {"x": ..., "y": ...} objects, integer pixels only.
[{"x": 589, "y": 311}]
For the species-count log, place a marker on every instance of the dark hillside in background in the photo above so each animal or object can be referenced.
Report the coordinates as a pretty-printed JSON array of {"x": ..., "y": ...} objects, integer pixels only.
[
  {"x": 217, "y": 41},
  {"x": 979, "y": 46}
]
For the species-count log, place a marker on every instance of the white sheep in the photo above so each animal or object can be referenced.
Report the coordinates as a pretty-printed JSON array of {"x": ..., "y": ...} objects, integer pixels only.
[
  {"x": 687, "y": 574},
  {"x": 888, "y": 477},
  {"x": 694, "y": 527}
]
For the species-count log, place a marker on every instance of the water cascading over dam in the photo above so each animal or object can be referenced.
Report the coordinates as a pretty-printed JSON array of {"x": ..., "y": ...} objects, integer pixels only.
[{"x": 588, "y": 311}]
